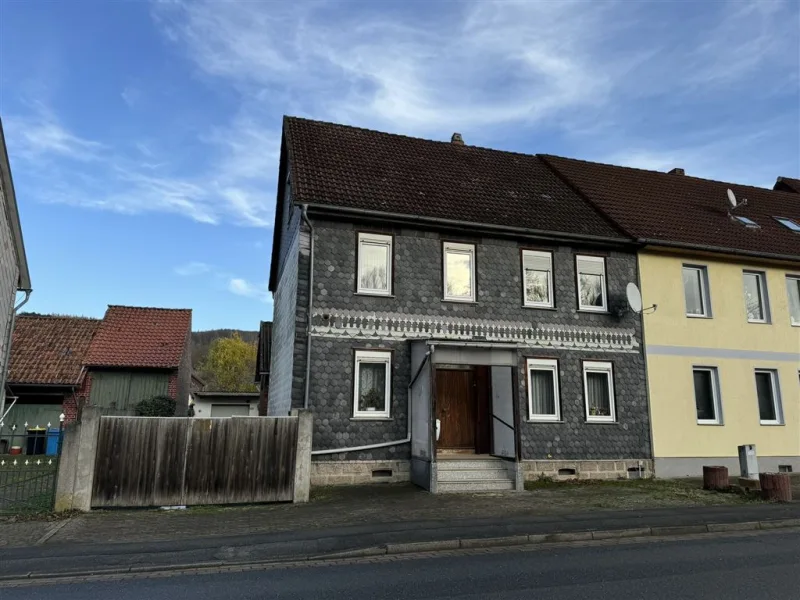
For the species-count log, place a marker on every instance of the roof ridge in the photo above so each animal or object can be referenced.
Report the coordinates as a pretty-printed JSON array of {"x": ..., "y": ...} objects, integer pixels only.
[
  {"x": 446, "y": 143},
  {"x": 31, "y": 315},
  {"x": 149, "y": 308},
  {"x": 639, "y": 169}
]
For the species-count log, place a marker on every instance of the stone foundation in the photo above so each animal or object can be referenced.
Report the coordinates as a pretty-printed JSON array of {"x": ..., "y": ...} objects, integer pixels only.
[
  {"x": 355, "y": 472},
  {"x": 587, "y": 469}
]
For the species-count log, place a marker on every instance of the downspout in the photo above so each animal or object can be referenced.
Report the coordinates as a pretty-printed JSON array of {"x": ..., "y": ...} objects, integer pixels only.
[
  {"x": 310, "y": 305},
  {"x": 7, "y": 357},
  {"x": 406, "y": 440}
]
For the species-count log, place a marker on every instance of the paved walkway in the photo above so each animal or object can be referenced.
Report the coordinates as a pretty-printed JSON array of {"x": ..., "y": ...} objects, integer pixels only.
[
  {"x": 339, "y": 507},
  {"x": 344, "y": 519}
]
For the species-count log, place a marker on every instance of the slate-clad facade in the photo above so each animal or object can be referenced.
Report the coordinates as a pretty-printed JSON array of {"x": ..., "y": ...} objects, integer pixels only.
[{"x": 344, "y": 322}]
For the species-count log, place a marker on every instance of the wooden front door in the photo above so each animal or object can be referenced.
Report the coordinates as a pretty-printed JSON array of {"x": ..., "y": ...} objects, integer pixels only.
[{"x": 456, "y": 409}]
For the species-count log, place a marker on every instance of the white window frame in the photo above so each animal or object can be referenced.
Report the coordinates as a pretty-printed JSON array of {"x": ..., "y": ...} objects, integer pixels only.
[
  {"x": 608, "y": 369},
  {"x": 602, "y": 261},
  {"x": 550, "y": 300},
  {"x": 540, "y": 364},
  {"x": 776, "y": 397},
  {"x": 705, "y": 292},
  {"x": 458, "y": 248},
  {"x": 762, "y": 290},
  {"x": 374, "y": 357},
  {"x": 375, "y": 239},
  {"x": 715, "y": 394},
  {"x": 793, "y": 280}
]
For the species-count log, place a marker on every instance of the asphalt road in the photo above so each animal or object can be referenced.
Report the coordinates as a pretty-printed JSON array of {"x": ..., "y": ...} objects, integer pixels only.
[{"x": 747, "y": 566}]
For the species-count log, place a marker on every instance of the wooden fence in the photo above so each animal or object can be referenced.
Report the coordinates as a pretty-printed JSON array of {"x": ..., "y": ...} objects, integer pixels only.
[{"x": 149, "y": 461}]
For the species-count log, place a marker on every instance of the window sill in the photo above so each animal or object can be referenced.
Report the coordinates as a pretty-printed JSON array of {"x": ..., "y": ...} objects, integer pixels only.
[
  {"x": 553, "y": 308},
  {"x": 370, "y": 295},
  {"x": 460, "y": 301},
  {"x": 771, "y": 424},
  {"x": 759, "y": 322},
  {"x": 594, "y": 312},
  {"x": 545, "y": 421},
  {"x": 371, "y": 419},
  {"x": 698, "y": 316},
  {"x": 710, "y": 424},
  {"x": 593, "y": 422}
]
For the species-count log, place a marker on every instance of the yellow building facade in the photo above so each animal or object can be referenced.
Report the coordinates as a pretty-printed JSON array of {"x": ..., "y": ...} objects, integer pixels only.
[{"x": 723, "y": 360}]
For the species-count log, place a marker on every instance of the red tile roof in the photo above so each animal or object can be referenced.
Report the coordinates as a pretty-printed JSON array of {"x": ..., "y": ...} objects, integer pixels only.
[
  {"x": 140, "y": 337},
  {"x": 678, "y": 209},
  {"x": 49, "y": 350},
  {"x": 342, "y": 166}
]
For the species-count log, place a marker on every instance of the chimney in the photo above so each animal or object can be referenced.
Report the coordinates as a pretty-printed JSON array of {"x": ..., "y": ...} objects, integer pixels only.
[
  {"x": 457, "y": 139},
  {"x": 677, "y": 171}
]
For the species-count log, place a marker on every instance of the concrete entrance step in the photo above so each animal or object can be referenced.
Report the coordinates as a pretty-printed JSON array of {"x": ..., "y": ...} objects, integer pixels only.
[
  {"x": 485, "y": 485},
  {"x": 473, "y": 474},
  {"x": 470, "y": 463}
]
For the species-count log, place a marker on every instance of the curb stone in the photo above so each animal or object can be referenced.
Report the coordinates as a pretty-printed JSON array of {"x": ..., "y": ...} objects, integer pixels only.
[{"x": 430, "y": 546}]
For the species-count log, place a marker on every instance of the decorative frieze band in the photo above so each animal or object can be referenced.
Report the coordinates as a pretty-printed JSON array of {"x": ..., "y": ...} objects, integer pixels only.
[{"x": 398, "y": 326}]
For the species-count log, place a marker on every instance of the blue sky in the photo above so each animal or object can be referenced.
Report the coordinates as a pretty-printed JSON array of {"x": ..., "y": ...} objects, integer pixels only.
[{"x": 144, "y": 136}]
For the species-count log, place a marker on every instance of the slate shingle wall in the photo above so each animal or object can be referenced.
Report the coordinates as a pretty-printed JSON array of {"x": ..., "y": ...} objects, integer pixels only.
[
  {"x": 418, "y": 290},
  {"x": 9, "y": 275},
  {"x": 283, "y": 331}
]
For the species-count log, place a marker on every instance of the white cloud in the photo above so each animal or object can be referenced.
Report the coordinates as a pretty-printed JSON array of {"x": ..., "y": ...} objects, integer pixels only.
[
  {"x": 237, "y": 188},
  {"x": 477, "y": 64},
  {"x": 131, "y": 96},
  {"x": 193, "y": 268},
  {"x": 40, "y": 134},
  {"x": 242, "y": 287}
]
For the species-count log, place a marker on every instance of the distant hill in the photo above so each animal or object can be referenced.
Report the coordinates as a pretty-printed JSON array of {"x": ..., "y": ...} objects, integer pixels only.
[{"x": 201, "y": 340}]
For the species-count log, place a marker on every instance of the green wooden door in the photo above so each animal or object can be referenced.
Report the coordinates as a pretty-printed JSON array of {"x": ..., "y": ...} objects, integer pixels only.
[{"x": 118, "y": 392}]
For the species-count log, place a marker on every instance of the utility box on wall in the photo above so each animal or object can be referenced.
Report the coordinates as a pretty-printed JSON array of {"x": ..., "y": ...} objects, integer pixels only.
[{"x": 748, "y": 461}]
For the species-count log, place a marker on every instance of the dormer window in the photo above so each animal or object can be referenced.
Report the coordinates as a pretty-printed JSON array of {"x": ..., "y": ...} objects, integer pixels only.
[
  {"x": 790, "y": 223},
  {"x": 747, "y": 222}
]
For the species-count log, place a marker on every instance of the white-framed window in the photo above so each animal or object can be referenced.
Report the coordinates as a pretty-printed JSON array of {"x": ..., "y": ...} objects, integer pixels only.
[
  {"x": 591, "y": 271},
  {"x": 793, "y": 289},
  {"x": 459, "y": 272},
  {"x": 598, "y": 385},
  {"x": 537, "y": 278},
  {"x": 374, "y": 264},
  {"x": 789, "y": 223},
  {"x": 706, "y": 395},
  {"x": 756, "y": 300},
  {"x": 769, "y": 397},
  {"x": 372, "y": 386},
  {"x": 544, "y": 403},
  {"x": 695, "y": 290}
]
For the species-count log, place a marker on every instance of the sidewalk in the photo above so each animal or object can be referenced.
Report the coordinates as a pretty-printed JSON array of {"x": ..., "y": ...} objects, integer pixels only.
[{"x": 357, "y": 517}]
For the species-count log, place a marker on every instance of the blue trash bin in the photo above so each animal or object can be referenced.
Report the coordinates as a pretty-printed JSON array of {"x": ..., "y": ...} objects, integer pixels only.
[{"x": 53, "y": 436}]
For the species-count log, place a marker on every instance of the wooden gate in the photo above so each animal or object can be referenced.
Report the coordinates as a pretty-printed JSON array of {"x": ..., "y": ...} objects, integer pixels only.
[{"x": 168, "y": 461}]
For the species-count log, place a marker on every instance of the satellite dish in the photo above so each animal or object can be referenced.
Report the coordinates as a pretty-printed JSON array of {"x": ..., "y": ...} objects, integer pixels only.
[
  {"x": 732, "y": 198},
  {"x": 634, "y": 298}
]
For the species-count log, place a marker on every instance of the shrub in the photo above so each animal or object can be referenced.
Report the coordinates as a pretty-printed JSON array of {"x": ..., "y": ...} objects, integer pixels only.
[{"x": 157, "y": 406}]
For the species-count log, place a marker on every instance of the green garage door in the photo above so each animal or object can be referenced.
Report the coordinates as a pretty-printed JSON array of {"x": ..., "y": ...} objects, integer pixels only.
[
  {"x": 117, "y": 393},
  {"x": 230, "y": 410}
]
